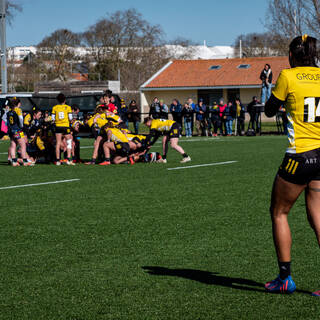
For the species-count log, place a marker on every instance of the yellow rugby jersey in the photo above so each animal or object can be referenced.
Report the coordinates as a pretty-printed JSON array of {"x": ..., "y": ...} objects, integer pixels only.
[
  {"x": 100, "y": 121},
  {"x": 27, "y": 120},
  {"x": 300, "y": 89},
  {"x": 131, "y": 136},
  {"x": 61, "y": 113},
  {"x": 113, "y": 117},
  {"x": 161, "y": 125},
  {"x": 117, "y": 135}
]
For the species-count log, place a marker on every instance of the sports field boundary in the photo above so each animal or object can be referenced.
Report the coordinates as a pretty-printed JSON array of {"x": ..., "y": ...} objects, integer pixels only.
[
  {"x": 204, "y": 165},
  {"x": 38, "y": 184}
]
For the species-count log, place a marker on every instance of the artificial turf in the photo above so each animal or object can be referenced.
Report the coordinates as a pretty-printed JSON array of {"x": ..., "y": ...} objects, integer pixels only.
[{"x": 143, "y": 242}]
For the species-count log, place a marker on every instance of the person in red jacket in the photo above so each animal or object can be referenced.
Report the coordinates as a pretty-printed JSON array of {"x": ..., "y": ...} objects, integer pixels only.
[{"x": 222, "y": 118}]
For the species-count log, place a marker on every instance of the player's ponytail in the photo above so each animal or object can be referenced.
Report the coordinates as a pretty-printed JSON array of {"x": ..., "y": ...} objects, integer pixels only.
[{"x": 303, "y": 51}]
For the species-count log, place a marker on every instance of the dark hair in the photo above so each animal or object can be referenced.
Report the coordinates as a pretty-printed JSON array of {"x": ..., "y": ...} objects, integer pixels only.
[
  {"x": 61, "y": 98},
  {"x": 303, "y": 51},
  {"x": 14, "y": 102},
  {"x": 75, "y": 107},
  {"x": 147, "y": 119}
]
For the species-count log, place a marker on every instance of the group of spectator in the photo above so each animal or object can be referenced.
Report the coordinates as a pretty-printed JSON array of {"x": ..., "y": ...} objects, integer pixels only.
[{"x": 207, "y": 120}]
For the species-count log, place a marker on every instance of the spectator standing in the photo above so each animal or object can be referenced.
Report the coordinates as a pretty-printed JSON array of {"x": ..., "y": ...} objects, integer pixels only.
[
  {"x": 155, "y": 109},
  {"x": 200, "y": 110},
  {"x": 228, "y": 115},
  {"x": 240, "y": 116},
  {"x": 164, "y": 110},
  {"x": 254, "y": 115},
  {"x": 176, "y": 111},
  {"x": 134, "y": 115},
  {"x": 193, "y": 106},
  {"x": 266, "y": 78},
  {"x": 187, "y": 114},
  {"x": 215, "y": 119},
  {"x": 123, "y": 112},
  {"x": 222, "y": 123}
]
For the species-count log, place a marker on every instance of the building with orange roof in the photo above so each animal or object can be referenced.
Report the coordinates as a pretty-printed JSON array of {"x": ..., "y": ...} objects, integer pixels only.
[{"x": 209, "y": 80}]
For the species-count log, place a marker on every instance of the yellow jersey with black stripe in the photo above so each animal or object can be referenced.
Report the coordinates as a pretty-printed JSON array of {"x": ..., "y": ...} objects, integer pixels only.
[
  {"x": 100, "y": 120},
  {"x": 61, "y": 113},
  {"x": 139, "y": 137},
  {"x": 27, "y": 120},
  {"x": 113, "y": 118},
  {"x": 300, "y": 89},
  {"x": 162, "y": 125},
  {"x": 117, "y": 135}
]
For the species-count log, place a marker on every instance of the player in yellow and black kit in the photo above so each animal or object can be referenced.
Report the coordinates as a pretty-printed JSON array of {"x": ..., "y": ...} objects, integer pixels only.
[
  {"x": 298, "y": 89},
  {"x": 62, "y": 115},
  {"x": 171, "y": 130},
  {"x": 16, "y": 134}
]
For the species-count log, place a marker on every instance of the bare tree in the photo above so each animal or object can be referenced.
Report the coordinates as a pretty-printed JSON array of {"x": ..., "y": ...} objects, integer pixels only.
[
  {"x": 258, "y": 45},
  {"x": 58, "y": 53},
  {"x": 124, "y": 41},
  {"x": 289, "y": 18},
  {"x": 12, "y": 8}
]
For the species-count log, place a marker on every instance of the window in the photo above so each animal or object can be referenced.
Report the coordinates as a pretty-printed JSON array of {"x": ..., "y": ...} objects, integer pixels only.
[
  {"x": 244, "y": 66},
  {"x": 216, "y": 67}
]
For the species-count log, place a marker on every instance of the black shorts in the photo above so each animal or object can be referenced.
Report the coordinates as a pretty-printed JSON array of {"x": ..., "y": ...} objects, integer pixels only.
[
  {"x": 63, "y": 130},
  {"x": 301, "y": 168},
  {"x": 175, "y": 131},
  {"x": 122, "y": 148}
]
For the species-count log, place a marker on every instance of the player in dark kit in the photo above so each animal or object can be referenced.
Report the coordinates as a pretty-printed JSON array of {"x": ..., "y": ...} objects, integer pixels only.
[
  {"x": 299, "y": 89},
  {"x": 171, "y": 131}
]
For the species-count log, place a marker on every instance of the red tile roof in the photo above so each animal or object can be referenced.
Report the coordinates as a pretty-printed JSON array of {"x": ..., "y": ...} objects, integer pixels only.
[{"x": 196, "y": 73}]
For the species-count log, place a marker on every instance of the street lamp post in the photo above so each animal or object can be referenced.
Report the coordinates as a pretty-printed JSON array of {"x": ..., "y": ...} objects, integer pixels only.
[{"x": 4, "y": 82}]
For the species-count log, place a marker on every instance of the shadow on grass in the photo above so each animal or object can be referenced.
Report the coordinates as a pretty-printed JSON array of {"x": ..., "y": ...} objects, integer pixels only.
[{"x": 211, "y": 278}]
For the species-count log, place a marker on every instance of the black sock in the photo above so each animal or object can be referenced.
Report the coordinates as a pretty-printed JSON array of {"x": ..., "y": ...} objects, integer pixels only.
[
  {"x": 14, "y": 160},
  {"x": 164, "y": 157},
  {"x": 185, "y": 155},
  {"x": 25, "y": 160},
  {"x": 284, "y": 268},
  {"x": 107, "y": 159}
]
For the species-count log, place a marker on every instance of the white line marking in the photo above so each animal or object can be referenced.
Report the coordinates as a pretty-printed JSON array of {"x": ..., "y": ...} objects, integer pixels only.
[
  {"x": 86, "y": 147},
  {"x": 203, "y": 165},
  {"x": 38, "y": 184},
  {"x": 3, "y": 152}
]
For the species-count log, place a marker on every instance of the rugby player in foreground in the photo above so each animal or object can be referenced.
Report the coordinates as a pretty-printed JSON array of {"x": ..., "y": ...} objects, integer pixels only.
[
  {"x": 171, "y": 130},
  {"x": 299, "y": 89}
]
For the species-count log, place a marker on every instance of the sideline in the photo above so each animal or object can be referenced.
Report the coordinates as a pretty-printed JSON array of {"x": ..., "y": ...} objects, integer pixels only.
[
  {"x": 38, "y": 184},
  {"x": 203, "y": 165}
]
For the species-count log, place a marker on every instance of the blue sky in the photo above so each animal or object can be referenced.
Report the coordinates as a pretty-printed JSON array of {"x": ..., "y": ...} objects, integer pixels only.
[{"x": 218, "y": 22}]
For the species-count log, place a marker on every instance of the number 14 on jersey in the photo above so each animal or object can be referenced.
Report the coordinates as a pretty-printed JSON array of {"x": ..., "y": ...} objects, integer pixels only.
[{"x": 311, "y": 109}]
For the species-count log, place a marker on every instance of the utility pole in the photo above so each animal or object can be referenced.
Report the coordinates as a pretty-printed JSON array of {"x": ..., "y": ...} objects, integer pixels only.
[
  {"x": 3, "y": 42},
  {"x": 240, "y": 53}
]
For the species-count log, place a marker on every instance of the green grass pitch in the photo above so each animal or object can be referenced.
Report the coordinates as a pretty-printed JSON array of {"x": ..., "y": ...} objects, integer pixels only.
[{"x": 143, "y": 242}]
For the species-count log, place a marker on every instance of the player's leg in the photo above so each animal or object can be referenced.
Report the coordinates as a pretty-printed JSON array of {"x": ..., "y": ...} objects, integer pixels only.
[
  {"x": 96, "y": 147},
  {"x": 284, "y": 195},
  {"x": 69, "y": 148},
  {"x": 165, "y": 141},
  {"x": 174, "y": 145},
  {"x": 22, "y": 142},
  {"x": 12, "y": 152},
  {"x": 58, "y": 145},
  {"x": 107, "y": 147},
  {"x": 312, "y": 197}
]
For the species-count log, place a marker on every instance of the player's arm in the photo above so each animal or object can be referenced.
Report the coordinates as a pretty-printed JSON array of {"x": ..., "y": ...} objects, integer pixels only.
[
  {"x": 278, "y": 97},
  {"x": 272, "y": 106},
  {"x": 53, "y": 115},
  {"x": 152, "y": 137}
]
